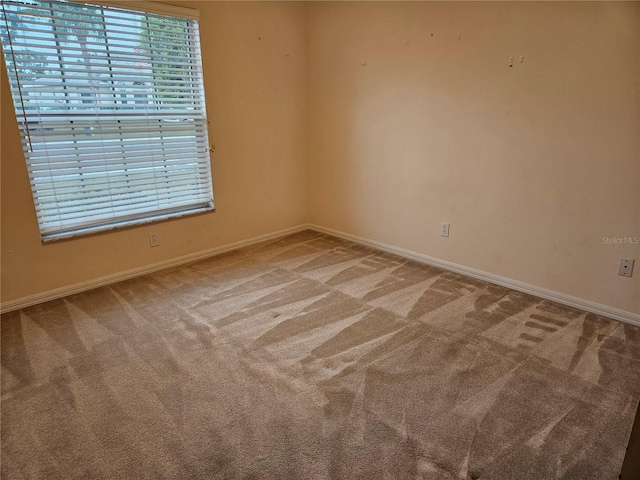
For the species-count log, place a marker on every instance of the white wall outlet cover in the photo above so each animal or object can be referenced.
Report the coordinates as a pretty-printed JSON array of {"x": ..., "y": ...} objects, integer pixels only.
[
  {"x": 444, "y": 229},
  {"x": 626, "y": 267},
  {"x": 153, "y": 240}
]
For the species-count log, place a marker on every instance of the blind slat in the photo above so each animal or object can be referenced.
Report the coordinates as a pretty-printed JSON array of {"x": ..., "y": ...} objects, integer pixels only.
[
  {"x": 123, "y": 203},
  {"x": 57, "y": 230},
  {"x": 126, "y": 7}
]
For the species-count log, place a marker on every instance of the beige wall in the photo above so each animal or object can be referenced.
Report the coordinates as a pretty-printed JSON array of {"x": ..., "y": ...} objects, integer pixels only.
[
  {"x": 255, "y": 79},
  {"x": 373, "y": 119},
  {"x": 532, "y": 165}
]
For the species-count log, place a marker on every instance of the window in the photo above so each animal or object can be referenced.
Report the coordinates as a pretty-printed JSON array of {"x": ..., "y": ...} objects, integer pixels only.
[{"x": 110, "y": 105}]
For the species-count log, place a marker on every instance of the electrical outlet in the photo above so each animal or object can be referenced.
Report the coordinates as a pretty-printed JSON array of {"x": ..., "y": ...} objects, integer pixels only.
[
  {"x": 153, "y": 240},
  {"x": 444, "y": 229},
  {"x": 626, "y": 267}
]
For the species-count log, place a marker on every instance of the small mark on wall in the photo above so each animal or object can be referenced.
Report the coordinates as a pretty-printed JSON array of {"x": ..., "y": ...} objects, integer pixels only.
[
  {"x": 365, "y": 64},
  {"x": 286, "y": 55}
]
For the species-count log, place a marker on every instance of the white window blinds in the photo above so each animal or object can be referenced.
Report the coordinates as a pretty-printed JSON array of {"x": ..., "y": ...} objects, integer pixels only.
[{"x": 110, "y": 105}]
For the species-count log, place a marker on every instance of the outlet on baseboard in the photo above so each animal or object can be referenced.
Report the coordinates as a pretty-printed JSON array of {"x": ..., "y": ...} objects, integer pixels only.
[
  {"x": 626, "y": 267},
  {"x": 444, "y": 229}
]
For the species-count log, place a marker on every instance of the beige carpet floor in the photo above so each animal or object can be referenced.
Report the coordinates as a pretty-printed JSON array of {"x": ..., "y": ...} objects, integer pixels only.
[{"x": 314, "y": 358}]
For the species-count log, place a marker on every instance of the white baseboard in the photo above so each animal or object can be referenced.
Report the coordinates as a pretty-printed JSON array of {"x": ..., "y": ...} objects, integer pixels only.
[
  {"x": 136, "y": 272},
  {"x": 552, "y": 295}
]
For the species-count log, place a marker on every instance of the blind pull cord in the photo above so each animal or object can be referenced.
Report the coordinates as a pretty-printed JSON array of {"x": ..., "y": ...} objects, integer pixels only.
[{"x": 212, "y": 147}]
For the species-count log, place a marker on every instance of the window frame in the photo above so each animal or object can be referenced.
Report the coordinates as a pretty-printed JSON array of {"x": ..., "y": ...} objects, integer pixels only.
[{"x": 129, "y": 99}]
